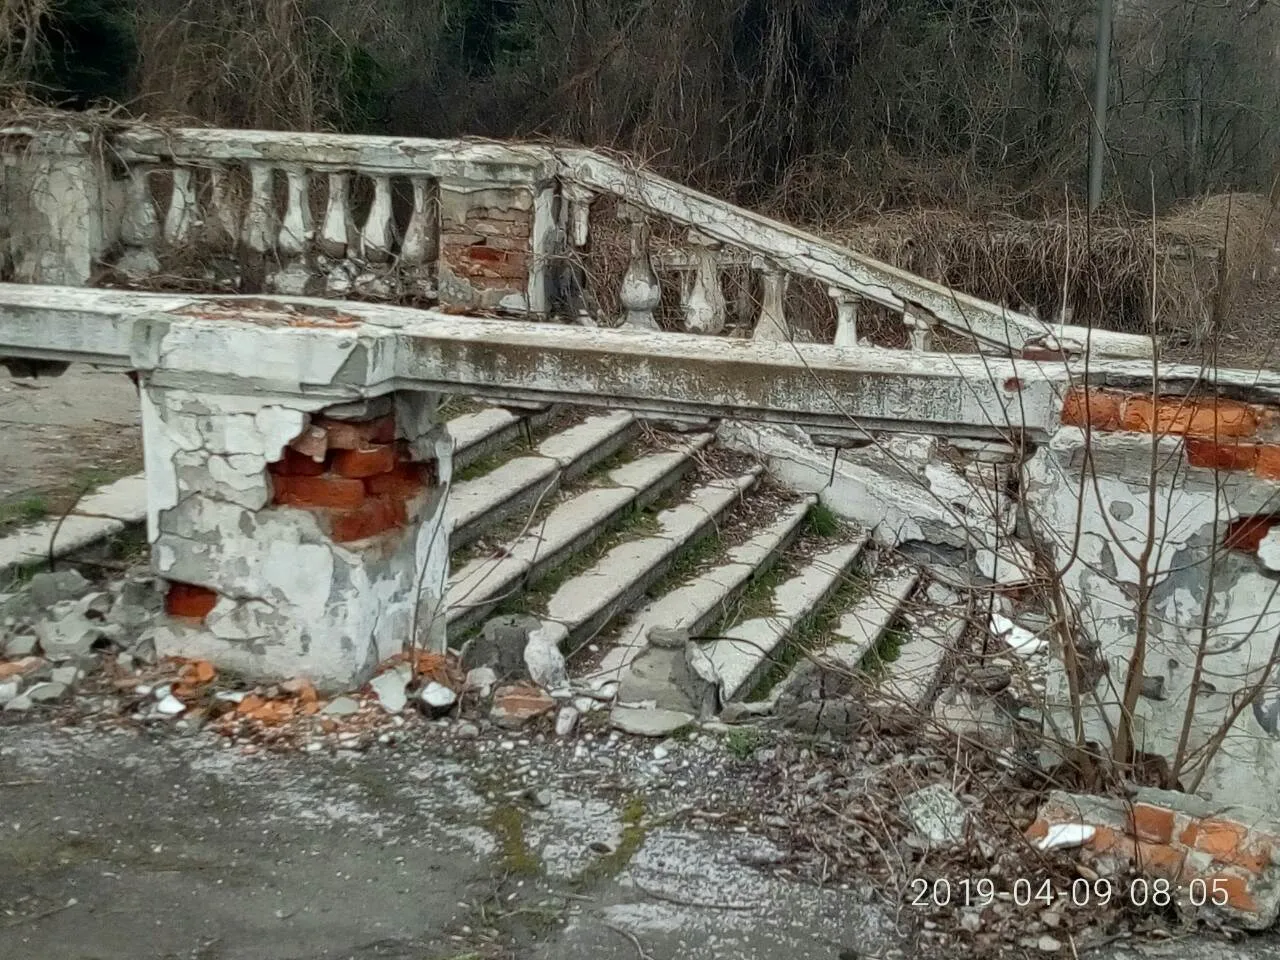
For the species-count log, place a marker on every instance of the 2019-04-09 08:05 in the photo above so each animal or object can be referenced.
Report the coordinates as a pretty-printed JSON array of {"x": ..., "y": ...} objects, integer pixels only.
[{"x": 1138, "y": 892}]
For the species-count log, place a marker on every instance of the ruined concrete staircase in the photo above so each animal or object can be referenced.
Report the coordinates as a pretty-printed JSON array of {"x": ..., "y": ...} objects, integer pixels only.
[{"x": 610, "y": 528}]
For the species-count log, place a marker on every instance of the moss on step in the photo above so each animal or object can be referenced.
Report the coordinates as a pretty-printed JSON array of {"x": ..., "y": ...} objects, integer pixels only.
[
  {"x": 824, "y": 523},
  {"x": 30, "y": 509},
  {"x": 811, "y": 634},
  {"x": 887, "y": 649}
]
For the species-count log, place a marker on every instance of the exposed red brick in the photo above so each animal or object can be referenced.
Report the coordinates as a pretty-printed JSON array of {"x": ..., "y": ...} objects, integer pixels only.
[
  {"x": 1151, "y": 823},
  {"x": 1236, "y": 889},
  {"x": 483, "y": 252},
  {"x": 1045, "y": 353},
  {"x": 312, "y": 442},
  {"x": 1038, "y": 830},
  {"x": 1185, "y": 416},
  {"x": 516, "y": 705},
  {"x": 1221, "y": 456},
  {"x": 377, "y": 515},
  {"x": 365, "y": 462},
  {"x": 189, "y": 600},
  {"x": 1097, "y": 408},
  {"x": 326, "y": 491},
  {"x": 405, "y": 481},
  {"x": 1247, "y": 532},
  {"x": 1228, "y": 842},
  {"x": 1160, "y": 859},
  {"x": 1268, "y": 464},
  {"x": 354, "y": 434},
  {"x": 295, "y": 464}
]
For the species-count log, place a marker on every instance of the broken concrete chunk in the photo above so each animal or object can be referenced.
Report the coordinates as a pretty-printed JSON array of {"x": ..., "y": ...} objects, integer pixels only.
[
  {"x": 679, "y": 676},
  {"x": 170, "y": 706},
  {"x": 668, "y": 638},
  {"x": 936, "y": 814},
  {"x": 1063, "y": 836},
  {"x": 481, "y": 681},
  {"x": 23, "y": 645},
  {"x": 66, "y": 675},
  {"x": 389, "y": 688},
  {"x": 46, "y": 692},
  {"x": 650, "y": 721},
  {"x": 19, "y": 703},
  {"x": 566, "y": 720},
  {"x": 340, "y": 707},
  {"x": 1012, "y": 564},
  {"x": 437, "y": 698},
  {"x": 516, "y": 705},
  {"x": 500, "y": 645},
  {"x": 1021, "y": 640},
  {"x": 9, "y": 689},
  {"x": 543, "y": 659},
  {"x": 47, "y": 589}
]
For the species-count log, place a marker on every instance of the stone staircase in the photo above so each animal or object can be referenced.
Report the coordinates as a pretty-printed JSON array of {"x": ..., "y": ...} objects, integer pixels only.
[{"x": 607, "y": 528}]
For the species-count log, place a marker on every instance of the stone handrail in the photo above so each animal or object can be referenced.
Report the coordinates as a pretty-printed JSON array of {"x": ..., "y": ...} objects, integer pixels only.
[{"x": 464, "y": 223}]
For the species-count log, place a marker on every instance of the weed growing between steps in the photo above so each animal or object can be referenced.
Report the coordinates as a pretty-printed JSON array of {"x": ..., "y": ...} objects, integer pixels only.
[
  {"x": 887, "y": 649},
  {"x": 811, "y": 635},
  {"x": 15, "y": 513}
]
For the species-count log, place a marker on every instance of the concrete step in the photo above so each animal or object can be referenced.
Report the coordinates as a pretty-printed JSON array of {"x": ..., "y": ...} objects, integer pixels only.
[
  {"x": 859, "y": 629},
  {"x": 706, "y": 597},
  {"x": 746, "y": 651},
  {"x": 479, "y": 586},
  {"x": 590, "y": 600},
  {"x": 911, "y": 681},
  {"x": 480, "y": 504}
]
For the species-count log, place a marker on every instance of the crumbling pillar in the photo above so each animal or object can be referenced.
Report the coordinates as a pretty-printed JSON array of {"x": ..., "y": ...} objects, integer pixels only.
[{"x": 300, "y": 538}]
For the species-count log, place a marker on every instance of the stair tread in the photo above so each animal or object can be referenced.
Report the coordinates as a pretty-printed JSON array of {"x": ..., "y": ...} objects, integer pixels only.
[
  {"x": 579, "y": 598},
  {"x": 745, "y": 648},
  {"x": 472, "y": 428},
  {"x": 860, "y": 628},
  {"x": 487, "y": 578},
  {"x": 702, "y": 598}
]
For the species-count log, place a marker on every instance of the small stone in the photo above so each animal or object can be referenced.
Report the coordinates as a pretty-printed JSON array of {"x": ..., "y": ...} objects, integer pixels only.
[
  {"x": 389, "y": 688},
  {"x": 481, "y": 681},
  {"x": 46, "y": 692},
  {"x": 584, "y": 705},
  {"x": 1048, "y": 944},
  {"x": 23, "y": 645},
  {"x": 649, "y": 721},
  {"x": 9, "y": 689},
  {"x": 516, "y": 705},
  {"x": 170, "y": 706},
  {"x": 466, "y": 731},
  {"x": 970, "y": 921},
  {"x": 661, "y": 752},
  {"x": 66, "y": 675},
  {"x": 340, "y": 707},
  {"x": 19, "y": 703},
  {"x": 47, "y": 589},
  {"x": 437, "y": 698},
  {"x": 566, "y": 720},
  {"x": 936, "y": 814},
  {"x": 668, "y": 638},
  {"x": 543, "y": 659}
]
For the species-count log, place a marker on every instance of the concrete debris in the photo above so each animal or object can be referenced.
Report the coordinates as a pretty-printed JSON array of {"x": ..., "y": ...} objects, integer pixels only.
[
  {"x": 9, "y": 689},
  {"x": 967, "y": 714},
  {"x": 1010, "y": 565},
  {"x": 500, "y": 646},
  {"x": 517, "y": 704},
  {"x": 23, "y": 645},
  {"x": 1063, "y": 836},
  {"x": 1021, "y": 640},
  {"x": 650, "y": 721},
  {"x": 566, "y": 720},
  {"x": 390, "y": 688},
  {"x": 940, "y": 594},
  {"x": 543, "y": 659},
  {"x": 66, "y": 675},
  {"x": 22, "y": 667},
  {"x": 46, "y": 692},
  {"x": 170, "y": 706},
  {"x": 674, "y": 674},
  {"x": 340, "y": 707},
  {"x": 437, "y": 698},
  {"x": 72, "y": 627},
  {"x": 936, "y": 814},
  {"x": 20, "y": 703},
  {"x": 47, "y": 589},
  {"x": 481, "y": 681}
]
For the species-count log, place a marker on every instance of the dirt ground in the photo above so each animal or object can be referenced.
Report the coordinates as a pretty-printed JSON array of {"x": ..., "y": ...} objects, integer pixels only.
[{"x": 61, "y": 435}]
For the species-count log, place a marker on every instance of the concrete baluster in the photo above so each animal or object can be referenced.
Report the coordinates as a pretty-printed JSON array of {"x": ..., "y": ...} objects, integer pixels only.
[
  {"x": 704, "y": 306},
  {"x": 337, "y": 233},
  {"x": 260, "y": 225},
  {"x": 222, "y": 203},
  {"x": 296, "y": 227},
  {"x": 377, "y": 235},
  {"x": 847, "y": 305},
  {"x": 182, "y": 213},
  {"x": 772, "y": 323},
  {"x": 641, "y": 292},
  {"x": 919, "y": 328}
]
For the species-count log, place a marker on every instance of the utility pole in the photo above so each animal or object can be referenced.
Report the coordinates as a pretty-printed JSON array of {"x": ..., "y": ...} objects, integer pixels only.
[{"x": 1101, "y": 76}]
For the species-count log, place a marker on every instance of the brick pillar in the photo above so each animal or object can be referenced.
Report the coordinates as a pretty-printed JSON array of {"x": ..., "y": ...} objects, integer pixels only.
[
  {"x": 296, "y": 536},
  {"x": 494, "y": 245}
]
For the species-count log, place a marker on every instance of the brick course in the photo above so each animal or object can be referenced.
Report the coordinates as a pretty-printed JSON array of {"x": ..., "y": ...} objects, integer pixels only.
[{"x": 1179, "y": 838}]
